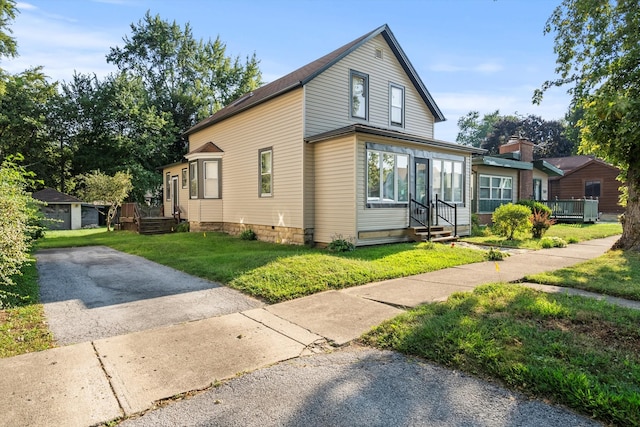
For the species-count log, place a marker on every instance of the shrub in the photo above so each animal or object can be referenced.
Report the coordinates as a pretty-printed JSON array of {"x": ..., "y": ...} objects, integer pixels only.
[
  {"x": 534, "y": 205},
  {"x": 572, "y": 239},
  {"x": 183, "y": 227},
  {"x": 341, "y": 244},
  {"x": 540, "y": 223},
  {"x": 553, "y": 242},
  {"x": 495, "y": 255},
  {"x": 509, "y": 219},
  {"x": 248, "y": 234}
]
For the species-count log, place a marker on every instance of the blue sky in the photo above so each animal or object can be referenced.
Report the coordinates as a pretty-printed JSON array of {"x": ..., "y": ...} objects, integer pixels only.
[{"x": 471, "y": 54}]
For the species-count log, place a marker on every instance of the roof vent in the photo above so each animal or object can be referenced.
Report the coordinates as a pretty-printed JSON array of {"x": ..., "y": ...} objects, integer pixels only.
[{"x": 379, "y": 53}]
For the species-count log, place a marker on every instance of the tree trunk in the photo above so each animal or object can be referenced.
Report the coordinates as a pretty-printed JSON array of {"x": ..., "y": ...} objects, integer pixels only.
[{"x": 630, "y": 239}]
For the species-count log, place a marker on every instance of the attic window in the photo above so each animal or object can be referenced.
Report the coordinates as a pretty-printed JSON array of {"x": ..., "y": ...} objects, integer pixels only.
[{"x": 379, "y": 53}]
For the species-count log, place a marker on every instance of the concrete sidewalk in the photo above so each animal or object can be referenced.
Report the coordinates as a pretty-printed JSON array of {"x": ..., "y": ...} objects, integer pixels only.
[{"x": 95, "y": 382}]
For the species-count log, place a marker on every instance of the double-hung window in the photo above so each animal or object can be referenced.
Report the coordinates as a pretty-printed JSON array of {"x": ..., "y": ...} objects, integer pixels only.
[
  {"x": 396, "y": 105},
  {"x": 387, "y": 177},
  {"x": 359, "y": 95},
  {"x": 266, "y": 172},
  {"x": 448, "y": 181},
  {"x": 193, "y": 180},
  {"x": 167, "y": 186},
  {"x": 211, "y": 186}
]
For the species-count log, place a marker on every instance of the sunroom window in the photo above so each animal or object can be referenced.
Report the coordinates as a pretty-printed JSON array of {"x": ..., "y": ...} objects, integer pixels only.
[
  {"x": 448, "y": 183},
  {"x": 387, "y": 177}
]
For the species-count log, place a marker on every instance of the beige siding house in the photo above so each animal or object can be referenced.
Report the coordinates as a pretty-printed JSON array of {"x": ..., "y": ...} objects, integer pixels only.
[{"x": 340, "y": 147}]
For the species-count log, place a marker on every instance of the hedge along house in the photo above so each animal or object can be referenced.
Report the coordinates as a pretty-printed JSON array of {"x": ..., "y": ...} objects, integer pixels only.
[
  {"x": 511, "y": 176},
  {"x": 338, "y": 147}
]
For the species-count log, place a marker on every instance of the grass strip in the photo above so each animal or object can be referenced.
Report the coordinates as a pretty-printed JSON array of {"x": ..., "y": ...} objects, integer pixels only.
[
  {"x": 575, "y": 351},
  {"x": 616, "y": 273},
  {"x": 22, "y": 323}
]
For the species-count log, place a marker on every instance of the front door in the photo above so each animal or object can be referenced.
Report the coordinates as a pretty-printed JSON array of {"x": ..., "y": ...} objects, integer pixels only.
[
  {"x": 174, "y": 193},
  {"x": 421, "y": 189}
]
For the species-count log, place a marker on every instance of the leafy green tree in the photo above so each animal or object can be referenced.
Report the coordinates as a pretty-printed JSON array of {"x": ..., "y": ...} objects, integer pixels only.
[
  {"x": 473, "y": 130},
  {"x": 110, "y": 190},
  {"x": 186, "y": 78},
  {"x": 597, "y": 44},
  {"x": 24, "y": 126},
  {"x": 8, "y": 45},
  {"x": 110, "y": 126},
  {"x": 18, "y": 222}
]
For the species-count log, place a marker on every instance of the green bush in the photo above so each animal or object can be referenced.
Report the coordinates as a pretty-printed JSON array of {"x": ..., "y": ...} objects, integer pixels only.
[
  {"x": 534, "y": 206},
  {"x": 183, "y": 227},
  {"x": 341, "y": 244},
  {"x": 248, "y": 234},
  {"x": 509, "y": 219},
  {"x": 552, "y": 242},
  {"x": 495, "y": 255}
]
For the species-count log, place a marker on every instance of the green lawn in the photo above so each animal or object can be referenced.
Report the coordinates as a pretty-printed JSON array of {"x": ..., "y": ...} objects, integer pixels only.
[
  {"x": 570, "y": 233},
  {"x": 270, "y": 271},
  {"x": 616, "y": 273},
  {"x": 574, "y": 351},
  {"x": 22, "y": 325}
]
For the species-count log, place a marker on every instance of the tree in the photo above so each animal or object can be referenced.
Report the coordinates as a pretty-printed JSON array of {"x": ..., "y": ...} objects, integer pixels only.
[
  {"x": 474, "y": 131},
  {"x": 187, "y": 78},
  {"x": 24, "y": 126},
  {"x": 110, "y": 190},
  {"x": 8, "y": 45},
  {"x": 597, "y": 44},
  {"x": 17, "y": 223}
]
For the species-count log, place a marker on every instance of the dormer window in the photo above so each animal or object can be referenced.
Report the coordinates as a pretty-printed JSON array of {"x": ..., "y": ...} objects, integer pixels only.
[{"x": 359, "y": 95}]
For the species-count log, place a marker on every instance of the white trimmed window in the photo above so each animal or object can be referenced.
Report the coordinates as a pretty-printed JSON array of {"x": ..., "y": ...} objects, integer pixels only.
[
  {"x": 193, "y": 180},
  {"x": 266, "y": 172},
  {"x": 448, "y": 181},
  {"x": 359, "y": 95},
  {"x": 495, "y": 188},
  {"x": 396, "y": 105},
  {"x": 211, "y": 179},
  {"x": 387, "y": 177},
  {"x": 167, "y": 186}
]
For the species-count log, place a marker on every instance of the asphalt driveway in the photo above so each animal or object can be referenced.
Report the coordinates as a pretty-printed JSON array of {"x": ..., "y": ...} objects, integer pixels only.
[{"x": 97, "y": 292}]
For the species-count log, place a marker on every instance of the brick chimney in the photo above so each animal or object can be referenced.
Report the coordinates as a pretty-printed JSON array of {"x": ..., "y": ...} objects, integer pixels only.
[{"x": 525, "y": 177}]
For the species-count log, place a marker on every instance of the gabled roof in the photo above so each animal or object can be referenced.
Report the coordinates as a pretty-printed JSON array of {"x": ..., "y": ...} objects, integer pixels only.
[
  {"x": 305, "y": 74},
  {"x": 50, "y": 195},
  {"x": 572, "y": 164},
  {"x": 209, "y": 147}
]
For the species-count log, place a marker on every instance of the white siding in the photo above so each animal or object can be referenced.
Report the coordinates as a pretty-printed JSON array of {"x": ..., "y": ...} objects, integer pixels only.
[
  {"x": 335, "y": 189},
  {"x": 183, "y": 195},
  {"x": 276, "y": 124},
  {"x": 327, "y": 96}
]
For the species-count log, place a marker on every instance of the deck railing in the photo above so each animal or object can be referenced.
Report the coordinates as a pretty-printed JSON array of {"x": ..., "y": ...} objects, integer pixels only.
[
  {"x": 574, "y": 210},
  {"x": 421, "y": 214}
]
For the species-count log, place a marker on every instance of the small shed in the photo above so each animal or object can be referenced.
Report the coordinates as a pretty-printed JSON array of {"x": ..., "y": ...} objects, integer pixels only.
[{"x": 66, "y": 212}]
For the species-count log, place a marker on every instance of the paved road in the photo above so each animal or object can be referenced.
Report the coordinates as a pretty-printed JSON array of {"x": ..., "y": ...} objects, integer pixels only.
[
  {"x": 97, "y": 292},
  {"x": 358, "y": 387}
]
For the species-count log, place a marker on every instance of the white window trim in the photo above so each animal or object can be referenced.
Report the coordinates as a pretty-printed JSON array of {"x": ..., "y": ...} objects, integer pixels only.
[
  {"x": 491, "y": 187},
  {"x": 383, "y": 200},
  {"x": 193, "y": 166},
  {"x": 439, "y": 191},
  {"x": 204, "y": 179}
]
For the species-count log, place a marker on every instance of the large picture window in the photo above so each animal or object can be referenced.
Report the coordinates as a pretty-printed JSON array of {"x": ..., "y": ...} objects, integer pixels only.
[
  {"x": 387, "y": 177},
  {"x": 494, "y": 191},
  {"x": 448, "y": 182},
  {"x": 359, "y": 95},
  {"x": 266, "y": 172},
  {"x": 211, "y": 181},
  {"x": 592, "y": 189}
]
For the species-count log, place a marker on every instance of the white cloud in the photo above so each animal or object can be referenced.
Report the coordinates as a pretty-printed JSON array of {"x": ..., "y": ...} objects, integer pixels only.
[{"x": 25, "y": 6}]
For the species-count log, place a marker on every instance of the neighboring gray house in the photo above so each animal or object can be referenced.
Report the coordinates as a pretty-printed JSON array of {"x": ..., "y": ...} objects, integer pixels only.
[{"x": 66, "y": 212}]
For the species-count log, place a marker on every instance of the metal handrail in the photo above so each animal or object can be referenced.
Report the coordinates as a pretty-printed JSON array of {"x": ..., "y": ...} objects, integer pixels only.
[
  {"x": 421, "y": 214},
  {"x": 445, "y": 211}
]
